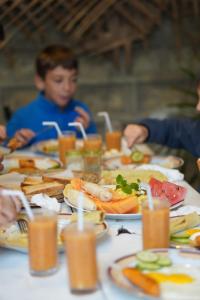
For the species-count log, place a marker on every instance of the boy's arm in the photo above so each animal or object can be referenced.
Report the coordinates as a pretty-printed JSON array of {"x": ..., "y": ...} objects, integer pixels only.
[{"x": 175, "y": 133}]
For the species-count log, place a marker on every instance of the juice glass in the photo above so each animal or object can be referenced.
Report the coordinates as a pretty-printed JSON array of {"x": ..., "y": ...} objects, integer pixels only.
[
  {"x": 66, "y": 142},
  {"x": 42, "y": 244},
  {"x": 80, "y": 249},
  {"x": 93, "y": 142},
  {"x": 113, "y": 140},
  {"x": 155, "y": 224}
]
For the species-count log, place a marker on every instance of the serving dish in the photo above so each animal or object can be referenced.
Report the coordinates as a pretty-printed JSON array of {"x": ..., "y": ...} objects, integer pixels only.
[{"x": 183, "y": 262}]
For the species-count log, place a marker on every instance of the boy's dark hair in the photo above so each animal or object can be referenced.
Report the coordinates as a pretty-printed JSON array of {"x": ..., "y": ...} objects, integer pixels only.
[{"x": 53, "y": 56}]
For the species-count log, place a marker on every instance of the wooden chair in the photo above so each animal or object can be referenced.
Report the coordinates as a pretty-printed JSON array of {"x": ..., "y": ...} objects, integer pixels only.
[{"x": 198, "y": 163}]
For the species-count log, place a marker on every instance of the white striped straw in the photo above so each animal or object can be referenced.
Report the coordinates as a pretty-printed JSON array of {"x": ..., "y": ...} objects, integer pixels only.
[
  {"x": 107, "y": 119},
  {"x": 146, "y": 187},
  {"x": 55, "y": 124},
  {"x": 80, "y": 212},
  {"x": 78, "y": 124}
]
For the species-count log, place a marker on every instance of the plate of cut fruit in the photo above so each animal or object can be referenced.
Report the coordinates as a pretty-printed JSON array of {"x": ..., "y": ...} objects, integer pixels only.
[
  {"x": 120, "y": 201},
  {"x": 166, "y": 274}
]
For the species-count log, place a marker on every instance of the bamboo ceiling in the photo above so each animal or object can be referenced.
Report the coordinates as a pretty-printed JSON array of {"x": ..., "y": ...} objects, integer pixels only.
[{"x": 93, "y": 26}]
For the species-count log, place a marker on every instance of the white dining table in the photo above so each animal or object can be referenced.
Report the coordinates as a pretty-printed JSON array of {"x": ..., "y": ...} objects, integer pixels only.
[{"x": 16, "y": 282}]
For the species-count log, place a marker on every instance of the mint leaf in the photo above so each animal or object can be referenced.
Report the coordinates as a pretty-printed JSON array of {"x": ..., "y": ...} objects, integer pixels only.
[
  {"x": 118, "y": 186},
  {"x": 119, "y": 179},
  {"x": 135, "y": 186},
  {"x": 127, "y": 189}
]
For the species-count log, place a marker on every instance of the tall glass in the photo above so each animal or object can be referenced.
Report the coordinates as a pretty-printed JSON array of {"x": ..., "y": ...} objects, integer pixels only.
[
  {"x": 80, "y": 249},
  {"x": 42, "y": 244},
  {"x": 93, "y": 142},
  {"x": 66, "y": 142},
  {"x": 113, "y": 140},
  {"x": 155, "y": 224},
  {"x": 92, "y": 162}
]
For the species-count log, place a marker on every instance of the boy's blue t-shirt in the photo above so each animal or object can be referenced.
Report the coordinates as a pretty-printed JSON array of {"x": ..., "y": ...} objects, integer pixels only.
[{"x": 41, "y": 109}]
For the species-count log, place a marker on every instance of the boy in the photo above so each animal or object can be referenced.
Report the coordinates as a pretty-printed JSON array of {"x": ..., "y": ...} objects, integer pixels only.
[
  {"x": 56, "y": 79},
  {"x": 175, "y": 133}
]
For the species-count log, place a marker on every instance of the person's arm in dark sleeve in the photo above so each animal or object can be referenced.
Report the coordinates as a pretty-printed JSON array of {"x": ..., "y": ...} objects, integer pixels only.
[{"x": 175, "y": 133}]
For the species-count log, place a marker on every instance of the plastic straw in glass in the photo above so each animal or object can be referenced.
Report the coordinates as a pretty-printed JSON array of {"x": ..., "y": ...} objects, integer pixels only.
[
  {"x": 146, "y": 187},
  {"x": 78, "y": 124},
  {"x": 55, "y": 124},
  {"x": 107, "y": 119},
  {"x": 80, "y": 212},
  {"x": 22, "y": 198}
]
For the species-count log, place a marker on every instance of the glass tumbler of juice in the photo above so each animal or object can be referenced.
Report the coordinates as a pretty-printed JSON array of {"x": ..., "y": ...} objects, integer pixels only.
[
  {"x": 66, "y": 142},
  {"x": 113, "y": 140},
  {"x": 42, "y": 244},
  {"x": 155, "y": 224},
  {"x": 93, "y": 142},
  {"x": 80, "y": 246}
]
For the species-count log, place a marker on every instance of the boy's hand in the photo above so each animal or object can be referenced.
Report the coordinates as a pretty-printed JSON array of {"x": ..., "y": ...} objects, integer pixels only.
[
  {"x": 135, "y": 134},
  {"x": 9, "y": 207},
  {"x": 24, "y": 136},
  {"x": 2, "y": 133},
  {"x": 1, "y": 159},
  {"x": 84, "y": 117}
]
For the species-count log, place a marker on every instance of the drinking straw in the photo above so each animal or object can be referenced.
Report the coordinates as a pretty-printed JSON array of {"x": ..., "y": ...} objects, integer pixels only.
[
  {"x": 78, "y": 124},
  {"x": 22, "y": 198},
  {"x": 55, "y": 124},
  {"x": 107, "y": 119},
  {"x": 80, "y": 212},
  {"x": 147, "y": 188}
]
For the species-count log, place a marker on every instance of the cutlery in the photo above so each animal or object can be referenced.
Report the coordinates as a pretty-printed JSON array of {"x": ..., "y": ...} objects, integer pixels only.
[{"x": 23, "y": 225}]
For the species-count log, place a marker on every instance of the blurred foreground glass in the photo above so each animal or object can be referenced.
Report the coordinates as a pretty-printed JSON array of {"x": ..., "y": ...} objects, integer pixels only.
[
  {"x": 93, "y": 142},
  {"x": 80, "y": 247},
  {"x": 66, "y": 142},
  {"x": 155, "y": 224},
  {"x": 42, "y": 244},
  {"x": 74, "y": 160},
  {"x": 113, "y": 140},
  {"x": 92, "y": 162}
]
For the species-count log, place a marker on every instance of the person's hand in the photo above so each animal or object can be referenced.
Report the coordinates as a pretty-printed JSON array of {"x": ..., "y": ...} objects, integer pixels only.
[
  {"x": 83, "y": 118},
  {"x": 9, "y": 207},
  {"x": 24, "y": 136},
  {"x": 3, "y": 134},
  {"x": 1, "y": 159},
  {"x": 135, "y": 134}
]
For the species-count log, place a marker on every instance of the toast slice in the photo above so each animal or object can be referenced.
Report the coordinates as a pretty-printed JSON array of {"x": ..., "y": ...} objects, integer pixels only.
[
  {"x": 49, "y": 188},
  {"x": 62, "y": 177}
]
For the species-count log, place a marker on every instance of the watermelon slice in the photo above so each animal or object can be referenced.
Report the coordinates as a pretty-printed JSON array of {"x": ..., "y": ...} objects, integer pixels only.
[{"x": 167, "y": 190}]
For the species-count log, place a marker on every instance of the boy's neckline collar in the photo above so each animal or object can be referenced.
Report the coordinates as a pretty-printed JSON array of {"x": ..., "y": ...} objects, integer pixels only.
[{"x": 50, "y": 104}]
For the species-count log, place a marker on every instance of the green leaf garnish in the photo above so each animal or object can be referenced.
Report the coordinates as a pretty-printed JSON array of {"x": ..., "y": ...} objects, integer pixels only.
[{"x": 124, "y": 186}]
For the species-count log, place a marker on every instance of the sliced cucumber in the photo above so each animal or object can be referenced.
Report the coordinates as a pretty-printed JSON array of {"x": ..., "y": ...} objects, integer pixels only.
[
  {"x": 180, "y": 240},
  {"x": 137, "y": 156},
  {"x": 147, "y": 256},
  {"x": 164, "y": 261},
  {"x": 147, "y": 266},
  {"x": 180, "y": 235}
]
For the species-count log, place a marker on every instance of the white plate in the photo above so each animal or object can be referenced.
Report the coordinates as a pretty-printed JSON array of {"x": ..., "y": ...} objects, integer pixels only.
[
  {"x": 171, "y": 162},
  {"x": 183, "y": 261},
  {"x": 121, "y": 216}
]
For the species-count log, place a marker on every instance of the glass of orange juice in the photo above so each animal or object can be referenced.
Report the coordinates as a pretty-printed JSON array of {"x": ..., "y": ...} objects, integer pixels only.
[
  {"x": 155, "y": 224},
  {"x": 80, "y": 246},
  {"x": 66, "y": 142},
  {"x": 93, "y": 142},
  {"x": 42, "y": 243},
  {"x": 113, "y": 140}
]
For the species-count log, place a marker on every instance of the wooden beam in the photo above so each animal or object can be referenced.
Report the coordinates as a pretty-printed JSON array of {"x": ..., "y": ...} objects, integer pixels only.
[
  {"x": 129, "y": 17},
  {"x": 92, "y": 17},
  {"x": 144, "y": 9},
  {"x": 80, "y": 15}
]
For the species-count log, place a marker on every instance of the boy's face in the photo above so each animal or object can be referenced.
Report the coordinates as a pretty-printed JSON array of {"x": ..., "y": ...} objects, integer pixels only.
[{"x": 59, "y": 85}]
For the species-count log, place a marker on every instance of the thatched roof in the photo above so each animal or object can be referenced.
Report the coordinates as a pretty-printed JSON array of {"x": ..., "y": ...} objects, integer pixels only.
[{"x": 93, "y": 26}]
